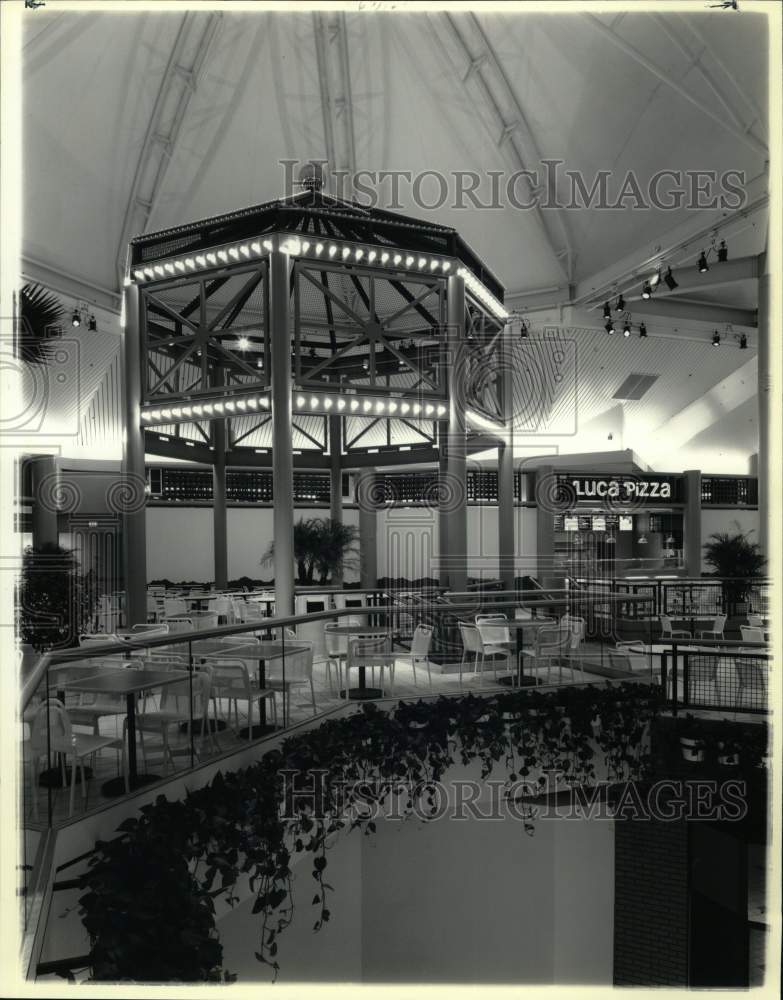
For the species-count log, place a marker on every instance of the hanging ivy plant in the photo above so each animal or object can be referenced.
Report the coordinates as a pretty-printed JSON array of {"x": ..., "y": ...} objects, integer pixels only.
[{"x": 168, "y": 865}]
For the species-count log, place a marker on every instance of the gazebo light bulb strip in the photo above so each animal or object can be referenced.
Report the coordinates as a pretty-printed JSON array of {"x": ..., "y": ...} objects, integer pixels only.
[
  {"x": 302, "y": 403},
  {"x": 295, "y": 246}
]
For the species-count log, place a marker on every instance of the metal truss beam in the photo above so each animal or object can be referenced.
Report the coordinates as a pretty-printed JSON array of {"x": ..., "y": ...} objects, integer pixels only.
[
  {"x": 179, "y": 83},
  {"x": 690, "y": 280},
  {"x": 334, "y": 80},
  {"x": 511, "y": 125},
  {"x": 706, "y": 312},
  {"x": 665, "y": 77}
]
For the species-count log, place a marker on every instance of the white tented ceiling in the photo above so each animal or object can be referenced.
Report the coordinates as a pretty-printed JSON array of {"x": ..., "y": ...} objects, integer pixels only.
[{"x": 623, "y": 92}]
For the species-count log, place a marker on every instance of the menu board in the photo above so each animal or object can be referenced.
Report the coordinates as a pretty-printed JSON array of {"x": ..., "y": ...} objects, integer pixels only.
[
  {"x": 570, "y": 523},
  {"x": 626, "y": 522},
  {"x": 599, "y": 523}
]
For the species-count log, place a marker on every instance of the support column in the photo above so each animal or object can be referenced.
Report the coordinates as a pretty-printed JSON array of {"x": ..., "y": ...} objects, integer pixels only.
[
  {"x": 44, "y": 476},
  {"x": 692, "y": 523},
  {"x": 368, "y": 529},
  {"x": 506, "y": 543},
  {"x": 336, "y": 480},
  {"x": 457, "y": 553},
  {"x": 443, "y": 511},
  {"x": 765, "y": 404},
  {"x": 133, "y": 470},
  {"x": 545, "y": 525},
  {"x": 282, "y": 453},
  {"x": 219, "y": 516}
]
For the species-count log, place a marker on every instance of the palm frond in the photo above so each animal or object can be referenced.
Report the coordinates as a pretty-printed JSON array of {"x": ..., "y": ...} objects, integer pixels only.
[{"x": 40, "y": 313}]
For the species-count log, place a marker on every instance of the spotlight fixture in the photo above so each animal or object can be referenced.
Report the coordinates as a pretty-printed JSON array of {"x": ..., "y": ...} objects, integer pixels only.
[
  {"x": 716, "y": 339},
  {"x": 609, "y": 327},
  {"x": 76, "y": 319},
  {"x": 92, "y": 324},
  {"x": 743, "y": 342},
  {"x": 671, "y": 284},
  {"x": 642, "y": 330},
  {"x": 607, "y": 311},
  {"x": 703, "y": 265},
  {"x": 523, "y": 331},
  {"x": 646, "y": 290},
  {"x": 723, "y": 251},
  {"x": 620, "y": 303},
  {"x": 627, "y": 328},
  {"x": 243, "y": 343}
]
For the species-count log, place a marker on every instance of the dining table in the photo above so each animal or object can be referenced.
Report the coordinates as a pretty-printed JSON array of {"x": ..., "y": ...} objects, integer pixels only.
[
  {"x": 130, "y": 683},
  {"x": 362, "y": 692},
  {"x": 262, "y": 652},
  {"x": 200, "y": 619},
  {"x": 521, "y": 626}
]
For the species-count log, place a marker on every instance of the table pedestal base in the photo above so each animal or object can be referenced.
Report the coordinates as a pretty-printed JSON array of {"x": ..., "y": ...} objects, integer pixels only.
[
  {"x": 361, "y": 694},
  {"x": 52, "y": 777},
  {"x": 216, "y": 725},
  {"x": 510, "y": 680},
  {"x": 116, "y": 786},
  {"x": 258, "y": 731}
]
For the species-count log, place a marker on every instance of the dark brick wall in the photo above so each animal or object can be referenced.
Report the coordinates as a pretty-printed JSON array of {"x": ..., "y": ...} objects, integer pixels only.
[{"x": 651, "y": 903}]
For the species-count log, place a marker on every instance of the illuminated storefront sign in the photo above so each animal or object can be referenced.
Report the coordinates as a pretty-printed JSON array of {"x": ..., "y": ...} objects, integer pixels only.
[{"x": 621, "y": 489}]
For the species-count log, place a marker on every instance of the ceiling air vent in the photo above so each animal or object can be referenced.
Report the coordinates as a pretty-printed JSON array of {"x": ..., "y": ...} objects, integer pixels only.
[{"x": 635, "y": 386}]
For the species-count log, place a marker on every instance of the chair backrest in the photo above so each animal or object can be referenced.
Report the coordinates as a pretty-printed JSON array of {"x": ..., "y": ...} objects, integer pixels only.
[
  {"x": 179, "y": 624},
  {"x": 752, "y": 634},
  {"x": 756, "y": 621},
  {"x": 471, "y": 637},
  {"x": 174, "y": 606},
  {"x": 176, "y": 697},
  {"x": 553, "y": 639},
  {"x": 666, "y": 625},
  {"x": 50, "y": 712},
  {"x": 422, "y": 640},
  {"x": 719, "y": 624},
  {"x": 289, "y": 633},
  {"x": 493, "y": 628},
  {"x": 159, "y": 629},
  {"x": 220, "y": 606},
  {"x": 297, "y": 666},
  {"x": 365, "y": 646},
  {"x": 335, "y": 644},
  {"x": 98, "y": 638},
  {"x": 229, "y": 678}
]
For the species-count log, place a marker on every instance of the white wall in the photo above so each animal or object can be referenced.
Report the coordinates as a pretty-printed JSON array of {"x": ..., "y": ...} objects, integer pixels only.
[
  {"x": 726, "y": 521},
  {"x": 408, "y": 543},
  {"x": 471, "y": 901},
  {"x": 179, "y": 541}
]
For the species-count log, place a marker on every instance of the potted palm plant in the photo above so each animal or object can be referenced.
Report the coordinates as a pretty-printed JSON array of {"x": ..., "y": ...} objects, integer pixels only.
[
  {"x": 40, "y": 313},
  {"x": 54, "y": 600},
  {"x": 738, "y": 561},
  {"x": 321, "y": 545}
]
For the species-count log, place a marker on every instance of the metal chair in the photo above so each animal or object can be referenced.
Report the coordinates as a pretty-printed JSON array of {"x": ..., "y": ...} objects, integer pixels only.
[
  {"x": 756, "y": 621},
  {"x": 61, "y": 739},
  {"x": 297, "y": 671},
  {"x": 716, "y": 632},
  {"x": 667, "y": 632},
  {"x": 231, "y": 682},
  {"x": 752, "y": 634},
  {"x": 175, "y": 710},
  {"x": 370, "y": 651},
  {"x": 473, "y": 644},
  {"x": 551, "y": 644}
]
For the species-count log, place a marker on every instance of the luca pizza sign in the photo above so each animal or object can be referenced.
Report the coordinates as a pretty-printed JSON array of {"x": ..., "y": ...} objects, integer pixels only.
[{"x": 621, "y": 489}]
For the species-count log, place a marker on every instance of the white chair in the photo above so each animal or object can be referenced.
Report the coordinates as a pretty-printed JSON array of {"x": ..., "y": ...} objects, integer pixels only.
[
  {"x": 152, "y": 608},
  {"x": 473, "y": 645},
  {"x": 419, "y": 652},
  {"x": 174, "y": 711},
  {"x": 716, "y": 632},
  {"x": 231, "y": 682},
  {"x": 295, "y": 671},
  {"x": 173, "y": 607},
  {"x": 238, "y": 608},
  {"x": 89, "y": 709},
  {"x": 336, "y": 651},
  {"x": 752, "y": 634},
  {"x": 370, "y": 651},
  {"x": 552, "y": 644},
  {"x": 667, "y": 632},
  {"x": 62, "y": 740},
  {"x": 493, "y": 629},
  {"x": 756, "y": 621},
  {"x": 221, "y": 607},
  {"x": 180, "y": 624}
]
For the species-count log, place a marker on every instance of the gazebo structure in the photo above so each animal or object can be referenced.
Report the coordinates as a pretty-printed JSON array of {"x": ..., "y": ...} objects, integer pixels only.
[{"x": 314, "y": 333}]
